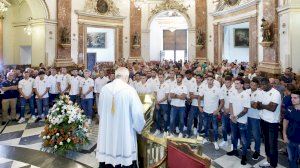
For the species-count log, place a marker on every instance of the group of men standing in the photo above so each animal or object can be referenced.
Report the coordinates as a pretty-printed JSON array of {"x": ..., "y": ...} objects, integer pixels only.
[{"x": 195, "y": 101}]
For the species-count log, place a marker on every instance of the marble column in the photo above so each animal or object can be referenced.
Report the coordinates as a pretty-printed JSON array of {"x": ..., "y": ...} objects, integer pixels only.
[
  {"x": 135, "y": 27},
  {"x": 1, "y": 40},
  {"x": 253, "y": 40},
  {"x": 64, "y": 9},
  {"x": 270, "y": 62},
  {"x": 201, "y": 24}
]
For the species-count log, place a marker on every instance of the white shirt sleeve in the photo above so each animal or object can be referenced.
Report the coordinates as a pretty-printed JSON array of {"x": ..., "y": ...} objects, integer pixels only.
[
  {"x": 246, "y": 100},
  {"x": 276, "y": 97}
]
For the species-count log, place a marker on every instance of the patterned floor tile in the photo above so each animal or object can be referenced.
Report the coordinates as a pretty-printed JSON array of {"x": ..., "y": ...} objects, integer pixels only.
[
  {"x": 6, "y": 165},
  {"x": 11, "y": 135},
  {"x": 33, "y": 131},
  {"x": 209, "y": 150},
  {"x": 30, "y": 140},
  {"x": 35, "y": 125},
  {"x": 14, "y": 128}
]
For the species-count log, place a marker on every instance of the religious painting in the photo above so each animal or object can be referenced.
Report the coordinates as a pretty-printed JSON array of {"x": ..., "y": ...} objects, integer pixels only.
[
  {"x": 241, "y": 38},
  {"x": 96, "y": 40},
  {"x": 102, "y": 6}
]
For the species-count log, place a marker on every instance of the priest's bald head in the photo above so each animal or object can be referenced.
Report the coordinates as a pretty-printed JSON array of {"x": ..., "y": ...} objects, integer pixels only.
[{"x": 122, "y": 73}]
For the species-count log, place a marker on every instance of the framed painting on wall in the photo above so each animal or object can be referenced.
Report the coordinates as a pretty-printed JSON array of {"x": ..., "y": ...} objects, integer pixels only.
[
  {"x": 96, "y": 40},
  {"x": 241, "y": 37}
]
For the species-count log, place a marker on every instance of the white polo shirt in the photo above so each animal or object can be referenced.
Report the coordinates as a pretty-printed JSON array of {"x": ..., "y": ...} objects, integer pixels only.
[
  {"x": 64, "y": 81},
  {"x": 53, "y": 84},
  {"x": 99, "y": 83},
  {"x": 271, "y": 96},
  {"x": 240, "y": 101},
  {"x": 26, "y": 86},
  {"x": 85, "y": 84},
  {"x": 161, "y": 91},
  {"x": 254, "y": 97},
  {"x": 41, "y": 86},
  {"x": 216, "y": 83},
  {"x": 75, "y": 85},
  {"x": 178, "y": 89},
  {"x": 153, "y": 83},
  {"x": 211, "y": 99},
  {"x": 196, "y": 89},
  {"x": 143, "y": 88},
  {"x": 226, "y": 94}
]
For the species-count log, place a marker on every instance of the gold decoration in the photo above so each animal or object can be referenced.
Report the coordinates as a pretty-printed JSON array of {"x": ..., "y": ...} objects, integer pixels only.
[
  {"x": 101, "y": 7},
  {"x": 169, "y": 5}
]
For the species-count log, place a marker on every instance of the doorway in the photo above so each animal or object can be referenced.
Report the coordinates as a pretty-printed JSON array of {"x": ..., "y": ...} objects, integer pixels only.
[{"x": 169, "y": 37}]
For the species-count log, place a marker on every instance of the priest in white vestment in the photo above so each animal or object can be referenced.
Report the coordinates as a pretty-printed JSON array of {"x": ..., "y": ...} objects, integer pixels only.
[{"x": 121, "y": 118}]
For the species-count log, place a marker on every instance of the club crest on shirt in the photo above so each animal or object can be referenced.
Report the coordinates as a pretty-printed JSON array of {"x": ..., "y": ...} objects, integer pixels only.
[
  {"x": 242, "y": 96},
  {"x": 214, "y": 91},
  {"x": 270, "y": 94},
  {"x": 254, "y": 95}
]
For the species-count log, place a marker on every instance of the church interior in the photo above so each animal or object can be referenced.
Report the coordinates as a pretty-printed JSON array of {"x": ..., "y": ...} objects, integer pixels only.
[{"x": 83, "y": 33}]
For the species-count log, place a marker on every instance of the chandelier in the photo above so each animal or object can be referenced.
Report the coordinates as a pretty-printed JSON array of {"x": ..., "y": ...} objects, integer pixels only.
[
  {"x": 3, "y": 7},
  {"x": 28, "y": 29}
]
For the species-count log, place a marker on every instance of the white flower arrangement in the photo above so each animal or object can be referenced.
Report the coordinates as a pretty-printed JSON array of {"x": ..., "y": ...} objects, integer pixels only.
[{"x": 66, "y": 127}]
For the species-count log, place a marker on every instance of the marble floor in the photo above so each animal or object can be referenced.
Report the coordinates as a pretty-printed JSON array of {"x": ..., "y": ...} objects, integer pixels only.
[{"x": 26, "y": 136}]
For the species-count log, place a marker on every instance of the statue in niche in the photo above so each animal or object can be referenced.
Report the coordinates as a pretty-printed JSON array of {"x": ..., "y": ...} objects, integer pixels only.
[
  {"x": 266, "y": 30},
  {"x": 65, "y": 36},
  {"x": 200, "y": 38},
  {"x": 136, "y": 39}
]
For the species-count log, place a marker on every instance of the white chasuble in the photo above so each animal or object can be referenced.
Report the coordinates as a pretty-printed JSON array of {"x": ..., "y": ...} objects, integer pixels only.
[{"x": 117, "y": 140}]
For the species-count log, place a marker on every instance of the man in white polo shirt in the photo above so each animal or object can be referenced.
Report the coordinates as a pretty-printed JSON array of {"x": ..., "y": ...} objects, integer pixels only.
[
  {"x": 227, "y": 89},
  {"x": 26, "y": 95},
  {"x": 270, "y": 115},
  {"x": 253, "y": 124},
  {"x": 213, "y": 103},
  {"x": 239, "y": 105},
  {"x": 178, "y": 94},
  {"x": 195, "y": 88},
  {"x": 87, "y": 97},
  {"x": 63, "y": 81},
  {"x": 41, "y": 87},
  {"x": 53, "y": 92},
  {"x": 99, "y": 83},
  {"x": 74, "y": 83},
  {"x": 161, "y": 93},
  {"x": 153, "y": 82}
]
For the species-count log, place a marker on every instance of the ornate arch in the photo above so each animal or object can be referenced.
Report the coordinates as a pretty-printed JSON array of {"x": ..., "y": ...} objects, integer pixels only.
[{"x": 170, "y": 5}]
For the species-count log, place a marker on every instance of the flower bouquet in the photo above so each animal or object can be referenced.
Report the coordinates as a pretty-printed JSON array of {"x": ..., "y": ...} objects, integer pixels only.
[{"x": 66, "y": 128}]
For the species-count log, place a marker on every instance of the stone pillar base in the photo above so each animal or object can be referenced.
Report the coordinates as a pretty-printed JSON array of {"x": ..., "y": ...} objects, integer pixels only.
[
  {"x": 271, "y": 68},
  {"x": 134, "y": 59},
  {"x": 64, "y": 62}
]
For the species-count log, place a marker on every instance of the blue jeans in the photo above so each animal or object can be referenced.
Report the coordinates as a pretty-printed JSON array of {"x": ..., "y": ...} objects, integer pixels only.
[
  {"x": 75, "y": 99},
  {"x": 42, "y": 106},
  {"x": 210, "y": 118},
  {"x": 194, "y": 113},
  {"x": 23, "y": 102},
  {"x": 294, "y": 154},
  {"x": 225, "y": 125},
  {"x": 52, "y": 98},
  {"x": 87, "y": 105},
  {"x": 242, "y": 128},
  {"x": 162, "y": 116},
  {"x": 177, "y": 111},
  {"x": 255, "y": 131}
]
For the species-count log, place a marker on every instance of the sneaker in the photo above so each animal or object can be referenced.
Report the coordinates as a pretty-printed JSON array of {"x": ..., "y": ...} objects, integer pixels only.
[
  {"x": 216, "y": 146},
  {"x": 89, "y": 121},
  {"x": 32, "y": 119},
  {"x": 244, "y": 160},
  {"x": 255, "y": 156},
  {"x": 166, "y": 134},
  {"x": 265, "y": 164},
  {"x": 180, "y": 135},
  {"x": 171, "y": 135},
  {"x": 177, "y": 130},
  {"x": 223, "y": 143},
  {"x": 204, "y": 141},
  {"x": 38, "y": 119},
  {"x": 156, "y": 133},
  {"x": 22, "y": 119},
  {"x": 233, "y": 153}
]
